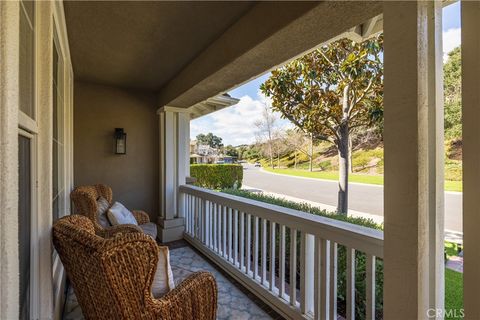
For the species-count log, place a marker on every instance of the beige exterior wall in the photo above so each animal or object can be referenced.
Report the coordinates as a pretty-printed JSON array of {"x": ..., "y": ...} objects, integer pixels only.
[
  {"x": 47, "y": 276},
  {"x": 133, "y": 176},
  {"x": 9, "y": 281}
]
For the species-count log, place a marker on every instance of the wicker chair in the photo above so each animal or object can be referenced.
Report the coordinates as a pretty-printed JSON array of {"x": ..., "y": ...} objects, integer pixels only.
[
  {"x": 112, "y": 277},
  {"x": 85, "y": 201}
]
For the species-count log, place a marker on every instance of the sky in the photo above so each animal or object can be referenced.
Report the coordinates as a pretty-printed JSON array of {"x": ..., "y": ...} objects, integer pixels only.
[{"x": 236, "y": 124}]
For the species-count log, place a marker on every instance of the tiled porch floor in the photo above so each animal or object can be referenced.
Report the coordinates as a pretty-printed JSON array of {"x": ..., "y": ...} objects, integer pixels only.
[{"x": 234, "y": 302}]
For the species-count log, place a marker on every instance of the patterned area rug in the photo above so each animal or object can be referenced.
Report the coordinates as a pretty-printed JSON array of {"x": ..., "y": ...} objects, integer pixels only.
[{"x": 232, "y": 302}]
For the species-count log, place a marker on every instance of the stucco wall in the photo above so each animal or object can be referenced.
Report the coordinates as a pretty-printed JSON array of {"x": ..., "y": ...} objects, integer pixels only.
[{"x": 98, "y": 110}]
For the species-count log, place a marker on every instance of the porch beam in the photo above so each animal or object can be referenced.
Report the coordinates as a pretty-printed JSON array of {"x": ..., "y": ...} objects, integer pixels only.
[
  {"x": 254, "y": 45},
  {"x": 470, "y": 13},
  {"x": 413, "y": 137}
]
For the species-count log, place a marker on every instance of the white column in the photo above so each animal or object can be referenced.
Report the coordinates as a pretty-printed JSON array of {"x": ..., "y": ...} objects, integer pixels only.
[
  {"x": 413, "y": 140},
  {"x": 174, "y": 168},
  {"x": 471, "y": 156}
]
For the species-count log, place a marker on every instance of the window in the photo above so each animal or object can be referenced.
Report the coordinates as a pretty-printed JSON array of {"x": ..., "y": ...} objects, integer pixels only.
[
  {"x": 27, "y": 58},
  {"x": 24, "y": 221}
]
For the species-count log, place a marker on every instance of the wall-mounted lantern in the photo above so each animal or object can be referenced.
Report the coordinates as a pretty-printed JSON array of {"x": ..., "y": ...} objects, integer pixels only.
[{"x": 120, "y": 141}]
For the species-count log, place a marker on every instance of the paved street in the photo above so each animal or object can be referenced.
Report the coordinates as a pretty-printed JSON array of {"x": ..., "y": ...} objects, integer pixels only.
[{"x": 362, "y": 197}]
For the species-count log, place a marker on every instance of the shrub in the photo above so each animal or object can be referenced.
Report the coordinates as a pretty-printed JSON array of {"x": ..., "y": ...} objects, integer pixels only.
[
  {"x": 217, "y": 176},
  {"x": 360, "y": 257}
]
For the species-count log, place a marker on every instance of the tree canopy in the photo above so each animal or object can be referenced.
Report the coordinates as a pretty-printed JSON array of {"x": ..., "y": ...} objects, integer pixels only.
[
  {"x": 209, "y": 139},
  {"x": 331, "y": 92},
  {"x": 452, "y": 84}
]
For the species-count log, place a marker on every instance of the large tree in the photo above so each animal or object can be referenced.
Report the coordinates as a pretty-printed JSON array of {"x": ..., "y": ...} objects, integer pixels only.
[
  {"x": 209, "y": 139},
  {"x": 267, "y": 133},
  {"x": 331, "y": 92},
  {"x": 298, "y": 141},
  {"x": 452, "y": 84}
]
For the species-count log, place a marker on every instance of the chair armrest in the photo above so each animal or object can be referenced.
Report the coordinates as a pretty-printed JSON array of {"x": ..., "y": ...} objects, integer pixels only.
[
  {"x": 194, "y": 298},
  {"x": 141, "y": 216},
  {"x": 120, "y": 228}
]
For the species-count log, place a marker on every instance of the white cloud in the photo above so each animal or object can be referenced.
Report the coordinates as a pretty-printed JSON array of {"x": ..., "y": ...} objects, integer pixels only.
[
  {"x": 451, "y": 40},
  {"x": 235, "y": 124}
]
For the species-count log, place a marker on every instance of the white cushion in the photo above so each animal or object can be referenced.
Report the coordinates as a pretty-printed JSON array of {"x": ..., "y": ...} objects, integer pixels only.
[
  {"x": 102, "y": 208},
  {"x": 163, "y": 279},
  {"x": 118, "y": 214},
  {"x": 150, "y": 229}
]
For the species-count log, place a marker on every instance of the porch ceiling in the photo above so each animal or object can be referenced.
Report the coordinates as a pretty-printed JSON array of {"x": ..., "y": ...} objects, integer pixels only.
[
  {"x": 142, "y": 44},
  {"x": 188, "y": 52}
]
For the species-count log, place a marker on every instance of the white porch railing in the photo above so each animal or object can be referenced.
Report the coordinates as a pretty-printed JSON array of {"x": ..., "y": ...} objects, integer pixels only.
[{"x": 247, "y": 238}]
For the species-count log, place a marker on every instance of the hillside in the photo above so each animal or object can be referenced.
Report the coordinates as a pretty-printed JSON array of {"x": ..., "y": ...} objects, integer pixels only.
[{"x": 367, "y": 161}]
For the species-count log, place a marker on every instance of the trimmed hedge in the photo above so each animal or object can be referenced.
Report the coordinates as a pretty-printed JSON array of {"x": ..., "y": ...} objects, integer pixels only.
[
  {"x": 217, "y": 176},
  {"x": 360, "y": 257}
]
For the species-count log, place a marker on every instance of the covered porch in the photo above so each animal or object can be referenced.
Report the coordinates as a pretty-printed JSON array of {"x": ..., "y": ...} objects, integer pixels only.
[{"x": 151, "y": 67}]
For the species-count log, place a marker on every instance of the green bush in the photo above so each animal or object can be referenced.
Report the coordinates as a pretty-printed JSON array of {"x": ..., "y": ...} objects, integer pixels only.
[
  {"x": 360, "y": 261},
  {"x": 217, "y": 176}
]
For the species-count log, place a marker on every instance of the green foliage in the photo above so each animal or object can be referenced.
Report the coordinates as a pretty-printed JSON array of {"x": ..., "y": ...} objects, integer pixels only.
[
  {"x": 453, "y": 170},
  {"x": 453, "y": 294},
  {"x": 310, "y": 90},
  {"x": 231, "y": 151},
  {"x": 217, "y": 176},
  {"x": 209, "y": 139},
  {"x": 361, "y": 159},
  {"x": 360, "y": 261},
  {"x": 452, "y": 85}
]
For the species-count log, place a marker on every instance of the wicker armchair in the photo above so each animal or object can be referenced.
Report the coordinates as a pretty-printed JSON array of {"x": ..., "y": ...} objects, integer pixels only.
[
  {"x": 85, "y": 201},
  {"x": 112, "y": 277}
]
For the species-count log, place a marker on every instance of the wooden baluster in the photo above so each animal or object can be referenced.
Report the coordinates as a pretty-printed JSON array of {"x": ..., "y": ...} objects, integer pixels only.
[
  {"x": 229, "y": 234},
  {"x": 281, "y": 263},
  {"x": 307, "y": 254},
  {"x": 224, "y": 231},
  {"x": 272, "y": 255},
  {"x": 219, "y": 229},
  {"x": 264, "y": 251},
  {"x": 255, "y": 248},
  {"x": 242, "y": 240},
  {"x": 214, "y": 229},
  {"x": 248, "y": 244},
  {"x": 293, "y": 267},
  {"x": 235, "y": 237}
]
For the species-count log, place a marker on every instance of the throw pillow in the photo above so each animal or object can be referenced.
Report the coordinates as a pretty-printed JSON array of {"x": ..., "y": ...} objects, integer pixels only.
[
  {"x": 163, "y": 279},
  {"x": 102, "y": 208},
  {"x": 118, "y": 214}
]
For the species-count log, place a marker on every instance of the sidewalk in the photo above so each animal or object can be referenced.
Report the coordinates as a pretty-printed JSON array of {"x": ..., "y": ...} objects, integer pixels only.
[{"x": 450, "y": 235}]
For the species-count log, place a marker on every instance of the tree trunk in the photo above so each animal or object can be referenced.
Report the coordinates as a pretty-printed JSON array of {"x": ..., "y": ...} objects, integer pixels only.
[
  {"x": 278, "y": 160},
  {"x": 350, "y": 162},
  {"x": 271, "y": 156},
  {"x": 311, "y": 153},
  {"x": 295, "y": 166},
  {"x": 343, "y": 160},
  {"x": 343, "y": 145}
]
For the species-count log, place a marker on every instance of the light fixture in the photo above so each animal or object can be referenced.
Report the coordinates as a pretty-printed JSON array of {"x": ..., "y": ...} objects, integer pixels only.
[{"x": 120, "y": 141}]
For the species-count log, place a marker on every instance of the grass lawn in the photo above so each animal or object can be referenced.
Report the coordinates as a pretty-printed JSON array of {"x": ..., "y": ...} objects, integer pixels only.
[
  {"x": 361, "y": 178},
  {"x": 453, "y": 294}
]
